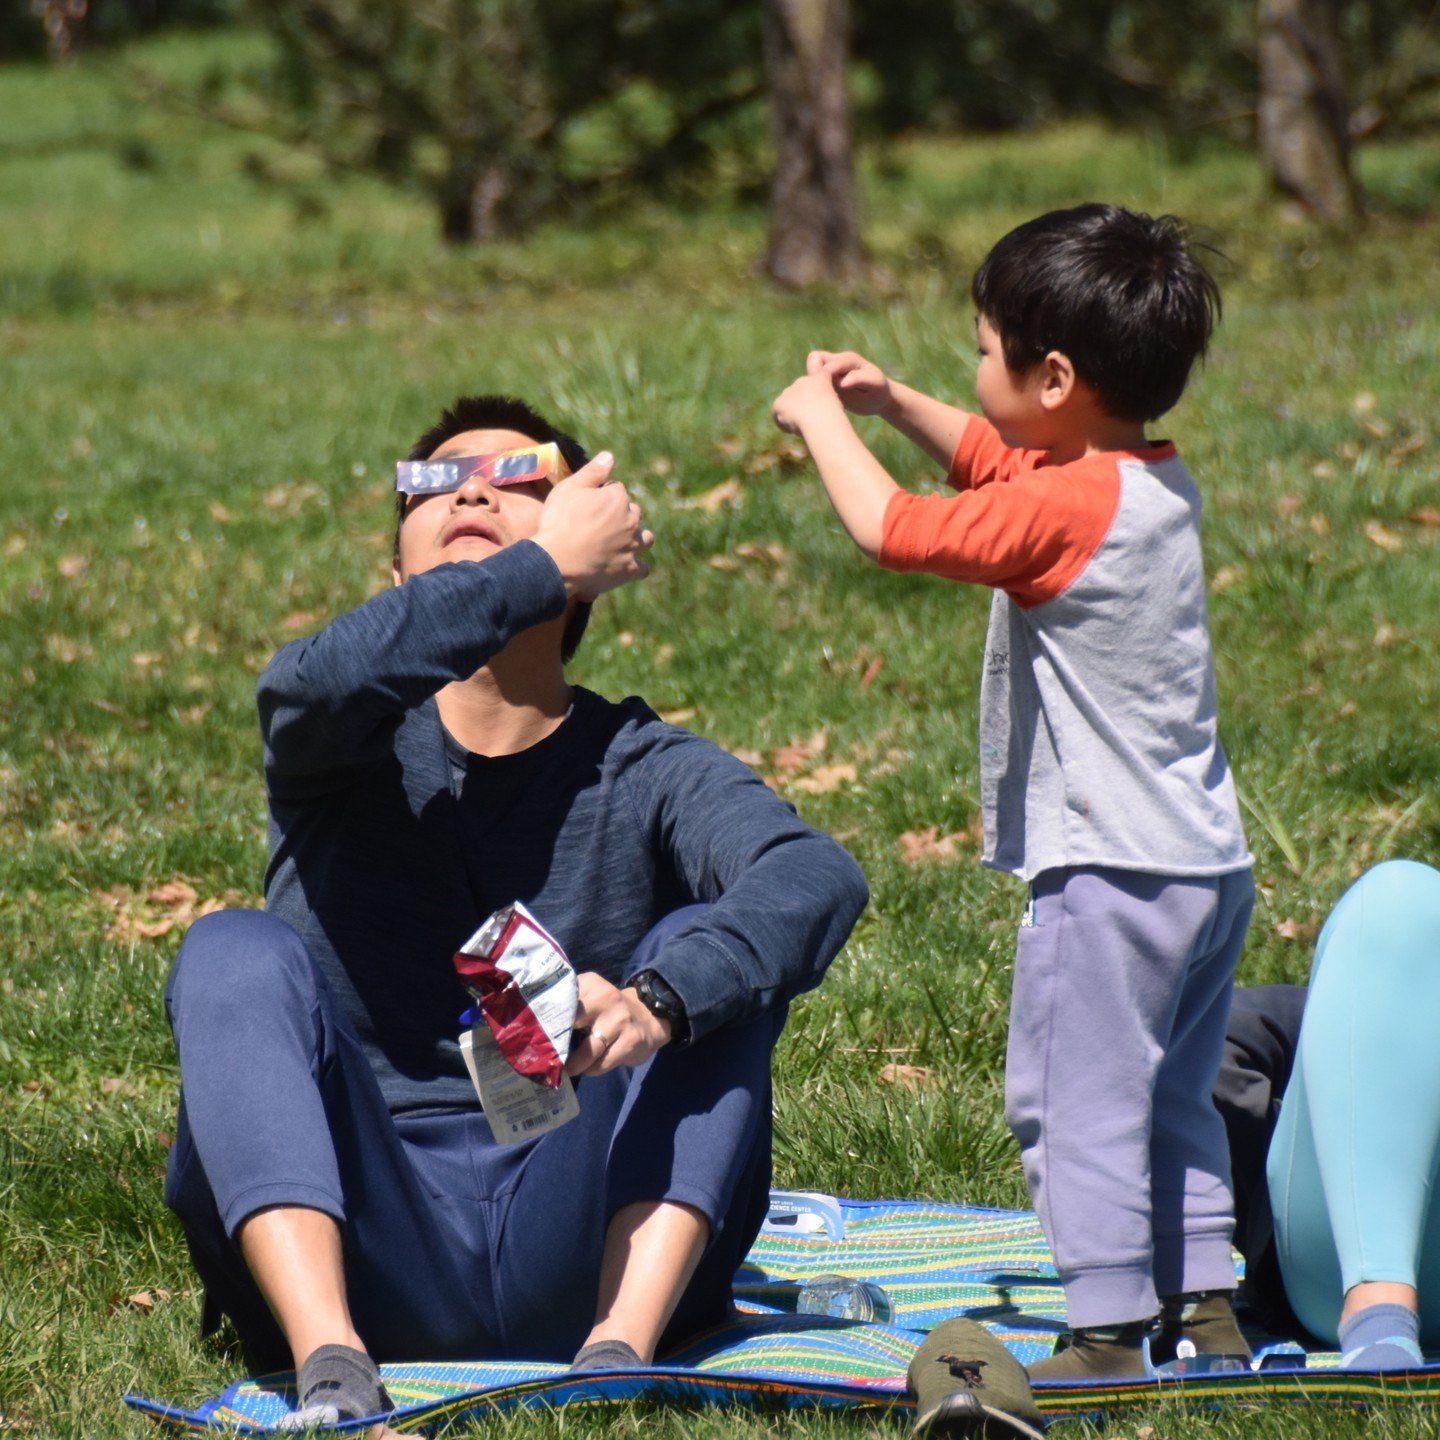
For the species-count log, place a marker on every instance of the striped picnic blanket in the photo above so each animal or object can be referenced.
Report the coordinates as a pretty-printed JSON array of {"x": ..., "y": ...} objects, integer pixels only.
[{"x": 933, "y": 1261}]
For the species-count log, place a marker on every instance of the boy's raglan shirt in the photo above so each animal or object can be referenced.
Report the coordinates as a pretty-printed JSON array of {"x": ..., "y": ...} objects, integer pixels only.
[{"x": 1098, "y": 741}]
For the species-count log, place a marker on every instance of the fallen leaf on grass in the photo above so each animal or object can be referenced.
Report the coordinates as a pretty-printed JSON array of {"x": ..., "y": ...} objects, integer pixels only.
[
  {"x": 678, "y": 716},
  {"x": 114, "y": 1084},
  {"x": 827, "y": 778},
  {"x": 1292, "y": 929},
  {"x": 1226, "y": 576},
  {"x": 792, "y": 758},
  {"x": 294, "y": 495},
  {"x": 912, "y": 1077},
  {"x": 919, "y": 846},
  {"x": 727, "y": 492},
  {"x": 146, "y": 659},
  {"x": 871, "y": 671},
  {"x": 752, "y": 758},
  {"x": 301, "y": 619},
  {"x": 1425, "y": 515},
  {"x": 147, "y": 1299},
  {"x": 71, "y": 566},
  {"x": 219, "y": 514},
  {"x": 726, "y": 563},
  {"x": 161, "y": 909},
  {"x": 173, "y": 892},
  {"x": 774, "y": 553},
  {"x": 1383, "y": 536},
  {"x": 14, "y": 545},
  {"x": 788, "y": 455}
]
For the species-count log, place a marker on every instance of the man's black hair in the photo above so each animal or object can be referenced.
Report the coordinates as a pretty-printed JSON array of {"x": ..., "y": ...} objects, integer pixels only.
[
  {"x": 503, "y": 412},
  {"x": 1121, "y": 294}
]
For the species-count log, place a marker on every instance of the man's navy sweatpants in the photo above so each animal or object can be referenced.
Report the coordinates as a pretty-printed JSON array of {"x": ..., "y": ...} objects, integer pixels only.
[{"x": 453, "y": 1246}]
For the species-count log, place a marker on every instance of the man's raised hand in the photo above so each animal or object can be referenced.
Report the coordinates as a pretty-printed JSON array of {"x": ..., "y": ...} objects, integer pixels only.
[
  {"x": 594, "y": 531},
  {"x": 863, "y": 387}
]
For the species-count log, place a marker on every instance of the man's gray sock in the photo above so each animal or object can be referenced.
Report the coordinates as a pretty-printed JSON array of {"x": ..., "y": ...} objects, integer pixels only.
[
  {"x": 607, "y": 1355},
  {"x": 337, "y": 1382}
]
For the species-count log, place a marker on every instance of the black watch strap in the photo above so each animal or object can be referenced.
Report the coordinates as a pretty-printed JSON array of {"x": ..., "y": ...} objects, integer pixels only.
[{"x": 658, "y": 996}]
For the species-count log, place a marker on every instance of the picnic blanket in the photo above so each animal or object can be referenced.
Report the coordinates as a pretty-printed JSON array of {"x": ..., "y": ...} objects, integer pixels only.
[{"x": 933, "y": 1261}]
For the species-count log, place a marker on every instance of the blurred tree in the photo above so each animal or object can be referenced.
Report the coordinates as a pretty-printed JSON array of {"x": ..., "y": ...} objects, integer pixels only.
[
  {"x": 60, "y": 27},
  {"x": 485, "y": 105},
  {"x": 814, "y": 235},
  {"x": 1304, "y": 118}
]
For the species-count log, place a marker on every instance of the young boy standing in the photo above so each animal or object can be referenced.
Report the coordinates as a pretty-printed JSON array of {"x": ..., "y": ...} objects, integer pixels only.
[{"x": 1103, "y": 782}]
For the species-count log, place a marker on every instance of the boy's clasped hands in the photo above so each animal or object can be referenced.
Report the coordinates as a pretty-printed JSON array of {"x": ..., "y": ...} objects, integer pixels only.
[{"x": 858, "y": 384}]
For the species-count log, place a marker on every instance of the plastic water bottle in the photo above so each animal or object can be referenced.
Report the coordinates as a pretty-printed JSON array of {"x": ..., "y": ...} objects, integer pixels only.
[{"x": 845, "y": 1298}]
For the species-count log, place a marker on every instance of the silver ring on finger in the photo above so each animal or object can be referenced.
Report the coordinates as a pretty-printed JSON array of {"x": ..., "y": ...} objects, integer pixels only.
[{"x": 596, "y": 1035}]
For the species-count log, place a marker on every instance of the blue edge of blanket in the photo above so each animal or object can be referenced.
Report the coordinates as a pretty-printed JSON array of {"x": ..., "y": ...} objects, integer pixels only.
[{"x": 814, "y": 1352}]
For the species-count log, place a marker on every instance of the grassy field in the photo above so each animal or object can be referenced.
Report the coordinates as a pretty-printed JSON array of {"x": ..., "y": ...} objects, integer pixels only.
[{"x": 206, "y": 380}]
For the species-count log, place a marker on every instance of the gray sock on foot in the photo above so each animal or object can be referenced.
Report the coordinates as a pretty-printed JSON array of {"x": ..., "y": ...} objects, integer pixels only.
[
  {"x": 1381, "y": 1337},
  {"x": 607, "y": 1355},
  {"x": 337, "y": 1382}
]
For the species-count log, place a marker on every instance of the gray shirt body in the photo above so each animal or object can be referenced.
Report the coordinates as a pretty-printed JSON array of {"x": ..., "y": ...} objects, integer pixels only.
[{"x": 1098, "y": 740}]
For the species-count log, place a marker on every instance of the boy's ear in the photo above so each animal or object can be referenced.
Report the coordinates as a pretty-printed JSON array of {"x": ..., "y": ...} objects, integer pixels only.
[{"x": 1057, "y": 379}]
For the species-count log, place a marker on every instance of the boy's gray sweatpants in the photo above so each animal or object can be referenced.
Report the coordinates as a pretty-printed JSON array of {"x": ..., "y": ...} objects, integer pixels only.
[{"x": 1117, "y": 1026}]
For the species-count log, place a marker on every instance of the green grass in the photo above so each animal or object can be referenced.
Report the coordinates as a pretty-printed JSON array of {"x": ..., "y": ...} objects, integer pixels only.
[{"x": 205, "y": 390}]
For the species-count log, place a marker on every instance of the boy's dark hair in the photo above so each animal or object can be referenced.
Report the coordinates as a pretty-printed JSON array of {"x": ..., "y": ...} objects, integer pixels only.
[
  {"x": 502, "y": 412},
  {"x": 1122, "y": 294}
]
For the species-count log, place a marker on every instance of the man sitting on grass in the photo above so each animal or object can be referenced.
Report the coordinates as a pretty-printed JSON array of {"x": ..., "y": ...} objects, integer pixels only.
[{"x": 427, "y": 763}]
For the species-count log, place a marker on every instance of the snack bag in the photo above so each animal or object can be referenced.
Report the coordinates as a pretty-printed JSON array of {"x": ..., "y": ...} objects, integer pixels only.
[{"x": 526, "y": 995}]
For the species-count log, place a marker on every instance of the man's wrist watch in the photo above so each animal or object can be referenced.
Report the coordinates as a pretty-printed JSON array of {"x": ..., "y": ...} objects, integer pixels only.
[{"x": 658, "y": 996}]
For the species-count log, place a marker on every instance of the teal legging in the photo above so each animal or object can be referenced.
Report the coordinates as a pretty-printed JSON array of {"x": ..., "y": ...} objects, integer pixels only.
[{"x": 1353, "y": 1161}]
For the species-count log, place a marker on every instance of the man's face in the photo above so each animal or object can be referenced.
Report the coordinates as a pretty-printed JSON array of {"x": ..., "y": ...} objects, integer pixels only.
[{"x": 474, "y": 521}]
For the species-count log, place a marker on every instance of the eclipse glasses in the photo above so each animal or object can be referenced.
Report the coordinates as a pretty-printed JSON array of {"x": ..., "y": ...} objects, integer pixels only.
[{"x": 509, "y": 467}]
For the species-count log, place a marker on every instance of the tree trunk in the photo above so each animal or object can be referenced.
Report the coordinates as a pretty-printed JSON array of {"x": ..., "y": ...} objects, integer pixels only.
[
  {"x": 477, "y": 204},
  {"x": 1303, "y": 115},
  {"x": 813, "y": 231}
]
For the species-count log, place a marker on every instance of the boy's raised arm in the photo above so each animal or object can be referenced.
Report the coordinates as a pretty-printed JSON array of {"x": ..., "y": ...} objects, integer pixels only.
[
  {"x": 865, "y": 389},
  {"x": 859, "y": 486}
]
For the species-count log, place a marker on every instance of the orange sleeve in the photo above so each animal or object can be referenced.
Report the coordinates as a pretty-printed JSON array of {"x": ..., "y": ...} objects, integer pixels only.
[
  {"x": 1030, "y": 537},
  {"x": 982, "y": 457}
]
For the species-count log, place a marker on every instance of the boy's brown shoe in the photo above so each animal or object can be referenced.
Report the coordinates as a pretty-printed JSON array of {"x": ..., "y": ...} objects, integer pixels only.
[
  {"x": 966, "y": 1382},
  {"x": 1099, "y": 1352},
  {"x": 1206, "y": 1318}
]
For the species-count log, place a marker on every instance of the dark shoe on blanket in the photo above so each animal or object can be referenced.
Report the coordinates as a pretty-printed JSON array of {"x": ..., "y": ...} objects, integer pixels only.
[
  {"x": 1206, "y": 1318},
  {"x": 966, "y": 1382},
  {"x": 1100, "y": 1352}
]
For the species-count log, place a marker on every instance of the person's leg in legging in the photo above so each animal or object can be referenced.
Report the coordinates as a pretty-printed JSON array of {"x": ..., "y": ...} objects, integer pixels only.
[
  {"x": 691, "y": 1129},
  {"x": 1353, "y": 1162}
]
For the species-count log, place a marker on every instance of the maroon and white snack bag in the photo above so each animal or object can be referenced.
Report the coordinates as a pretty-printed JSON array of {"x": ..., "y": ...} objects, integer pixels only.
[{"x": 526, "y": 990}]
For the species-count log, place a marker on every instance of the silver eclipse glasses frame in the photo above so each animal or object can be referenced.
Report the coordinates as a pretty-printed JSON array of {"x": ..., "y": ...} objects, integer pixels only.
[{"x": 505, "y": 467}]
